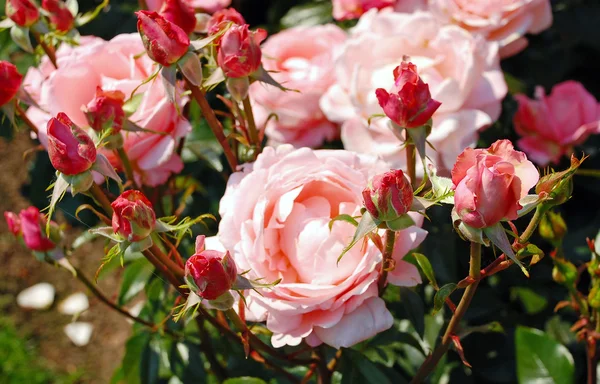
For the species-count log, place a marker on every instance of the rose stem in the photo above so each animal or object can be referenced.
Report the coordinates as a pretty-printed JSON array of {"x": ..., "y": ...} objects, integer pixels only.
[
  {"x": 390, "y": 238},
  {"x": 47, "y": 49},
  {"x": 474, "y": 270},
  {"x": 23, "y": 116},
  {"x": 411, "y": 161},
  {"x": 206, "y": 346},
  {"x": 214, "y": 124},
  {"x": 251, "y": 124},
  {"x": 127, "y": 166}
]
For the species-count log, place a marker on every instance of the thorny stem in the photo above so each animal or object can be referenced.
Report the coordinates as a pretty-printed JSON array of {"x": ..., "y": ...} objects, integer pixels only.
[
  {"x": 474, "y": 271},
  {"x": 411, "y": 161},
  {"x": 206, "y": 346},
  {"x": 252, "y": 131},
  {"x": 591, "y": 355},
  {"x": 214, "y": 124},
  {"x": 101, "y": 198},
  {"x": 23, "y": 116},
  {"x": 324, "y": 372},
  {"x": 127, "y": 166},
  {"x": 535, "y": 220},
  {"x": 47, "y": 49},
  {"x": 390, "y": 238}
]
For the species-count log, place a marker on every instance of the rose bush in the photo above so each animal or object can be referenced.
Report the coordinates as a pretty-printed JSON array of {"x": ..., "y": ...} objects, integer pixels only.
[
  {"x": 462, "y": 71},
  {"x": 112, "y": 65},
  {"x": 275, "y": 217}
]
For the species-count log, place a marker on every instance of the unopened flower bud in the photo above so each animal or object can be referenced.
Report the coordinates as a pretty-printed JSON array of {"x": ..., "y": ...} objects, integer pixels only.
[
  {"x": 10, "y": 81},
  {"x": 164, "y": 41},
  {"x": 238, "y": 87},
  {"x": 80, "y": 182},
  {"x": 558, "y": 187},
  {"x": 222, "y": 17},
  {"x": 552, "y": 227},
  {"x": 106, "y": 110},
  {"x": 23, "y": 12},
  {"x": 239, "y": 51},
  {"x": 71, "y": 150},
  {"x": 33, "y": 225},
  {"x": 179, "y": 13},
  {"x": 209, "y": 273},
  {"x": 388, "y": 196},
  {"x": 13, "y": 222},
  {"x": 409, "y": 104},
  {"x": 60, "y": 17},
  {"x": 133, "y": 216}
]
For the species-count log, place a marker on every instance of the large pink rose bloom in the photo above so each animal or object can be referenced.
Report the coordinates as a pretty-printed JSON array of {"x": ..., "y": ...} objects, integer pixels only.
[
  {"x": 504, "y": 21},
  {"x": 551, "y": 125},
  {"x": 275, "y": 223},
  {"x": 301, "y": 58},
  {"x": 462, "y": 71},
  {"x": 112, "y": 65},
  {"x": 209, "y": 6}
]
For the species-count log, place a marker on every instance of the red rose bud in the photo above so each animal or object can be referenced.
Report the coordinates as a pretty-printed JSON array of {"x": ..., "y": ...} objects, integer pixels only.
[
  {"x": 60, "y": 17},
  {"x": 409, "y": 104},
  {"x": 210, "y": 274},
  {"x": 179, "y": 13},
  {"x": 388, "y": 196},
  {"x": 10, "y": 81},
  {"x": 164, "y": 41},
  {"x": 133, "y": 216},
  {"x": 13, "y": 222},
  {"x": 33, "y": 226},
  {"x": 221, "y": 18},
  {"x": 239, "y": 51},
  {"x": 71, "y": 150},
  {"x": 23, "y": 12},
  {"x": 106, "y": 110}
]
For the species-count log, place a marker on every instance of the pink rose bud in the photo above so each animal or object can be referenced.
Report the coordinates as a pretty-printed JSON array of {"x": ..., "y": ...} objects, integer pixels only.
[
  {"x": 179, "y": 13},
  {"x": 71, "y": 150},
  {"x": 488, "y": 183},
  {"x": 33, "y": 226},
  {"x": 60, "y": 17},
  {"x": 133, "y": 216},
  {"x": 10, "y": 82},
  {"x": 106, "y": 110},
  {"x": 388, "y": 196},
  {"x": 23, "y": 12},
  {"x": 221, "y": 18},
  {"x": 239, "y": 51},
  {"x": 353, "y": 9},
  {"x": 164, "y": 41},
  {"x": 13, "y": 222},
  {"x": 210, "y": 273},
  {"x": 409, "y": 104}
]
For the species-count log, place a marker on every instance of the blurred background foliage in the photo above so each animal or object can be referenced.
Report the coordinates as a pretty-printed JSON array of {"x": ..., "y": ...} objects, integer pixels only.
[{"x": 570, "y": 49}]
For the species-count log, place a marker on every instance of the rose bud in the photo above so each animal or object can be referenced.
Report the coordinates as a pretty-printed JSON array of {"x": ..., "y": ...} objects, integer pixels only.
[
  {"x": 13, "y": 222},
  {"x": 60, "y": 16},
  {"x": 164, "y": 41},
  {"x": 133, "y": 216},
  {"x": 33, "y": 226},
  {"x": 71, "y": 150},
  {"x": 179, "y": 13},
  {"x": 106, "y": 110},
  {"x": 409, "y": 104},
  {"x": 220, "y": 19},
  {"x": 488, "y": 183},
  {"x": 10, "y": 82},
  {"x": 239, "y": 51},
  {"x": 23, "y": 12},
  {"x": 388, "y": 196},
  {"x": 210, "y": 274}
]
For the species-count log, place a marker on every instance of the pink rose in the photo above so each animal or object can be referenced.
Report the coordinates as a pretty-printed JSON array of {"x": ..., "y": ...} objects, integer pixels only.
[
  {"x": 239, "y": 53},
  {"x": 504, "y": 21},
  {"x": 275, "y": 223},
  {"x": 551, "y": 125},
  {"x": 33, "y": 225},
  {"x": 209, "y": 6},
  {"x": 353, "y": 9},
  {"x": 112, "y": 65},
  {"x": 488, "y": 183},
  {"x": 462, "y": 71},
  {"x": 302, "y": 59}
]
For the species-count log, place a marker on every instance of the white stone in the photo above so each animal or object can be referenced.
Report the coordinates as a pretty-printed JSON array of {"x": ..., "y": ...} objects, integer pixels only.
[
  {"x": 79, "y": 333},
  {"x": 74, "y": 304},
  {"x": 39, "y": 296}
]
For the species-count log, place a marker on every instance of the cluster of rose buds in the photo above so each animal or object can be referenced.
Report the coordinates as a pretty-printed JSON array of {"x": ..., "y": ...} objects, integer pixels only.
[
  {"x": 25, "y": 13},
  {"x": 10, "y": 82},
  {"x": 30, "y": 225}
]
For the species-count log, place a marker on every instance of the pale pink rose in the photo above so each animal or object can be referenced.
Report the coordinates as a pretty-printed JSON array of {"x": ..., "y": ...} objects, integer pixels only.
[
  {"x": 275, "y": 223},
  {"x": 462, "y": 71},
  {"x": 353, "y": 9},
  {"x": 112, "y": 65},
  {"x": 488, "y": 183},
  {"x": 209, "y": 6},
  {"x": 504, "y": 21},
  {"x": 551, "y": 125},
  {"x": 301, "y": 59}
]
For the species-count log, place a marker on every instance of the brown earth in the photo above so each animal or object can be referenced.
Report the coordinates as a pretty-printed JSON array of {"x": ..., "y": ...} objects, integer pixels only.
[{"x": 19, "y": 270}]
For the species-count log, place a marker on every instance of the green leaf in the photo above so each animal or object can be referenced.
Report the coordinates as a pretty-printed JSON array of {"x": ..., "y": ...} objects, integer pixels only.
[
  {"x": 440, "y": 296},
  {"x": 356, "y": 368},
  {"x": 413, "y": 305},
  {"x": 366, "y": 225},
  {"x": 150, "y": 363},
  {"x": 343, "y": 217},
  {"x": 134, "y": 280},
  {"x": 20, "y": 36},
  {"x": 426, "y": 267},
  {"x": 308, "y": 14},
  {"x": 532, "y": 302},
  {"x": 244, "y": 380},
  {"x": 497, "y": 236},
  {"x": 131, "y": 361},
  {"x": 542, "y": 360},
  {"x": 400, "y": 223},
  {"x": 89, "y": 16}
]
